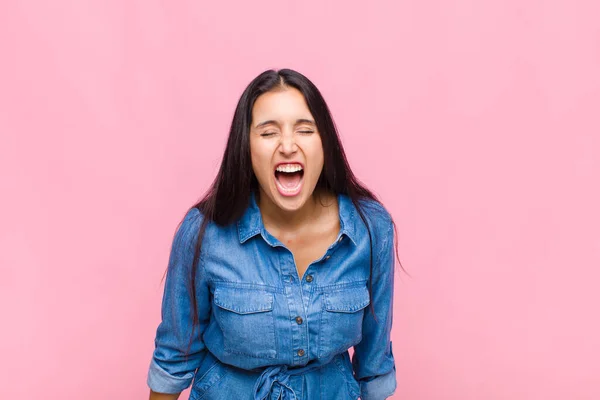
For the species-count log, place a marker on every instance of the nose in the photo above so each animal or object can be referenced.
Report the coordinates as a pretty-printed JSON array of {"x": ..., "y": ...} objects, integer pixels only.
[{"x": 287, "y": 144}]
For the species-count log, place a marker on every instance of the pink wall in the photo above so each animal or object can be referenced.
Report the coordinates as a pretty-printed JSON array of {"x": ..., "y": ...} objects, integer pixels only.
[{"x": 477, "y": 122}]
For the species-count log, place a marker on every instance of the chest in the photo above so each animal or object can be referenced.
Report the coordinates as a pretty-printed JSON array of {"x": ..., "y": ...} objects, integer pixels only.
[
  {"x": 325, "y": 252},
  {"x": 310, "y": 245},
  {"x": 266, "y": 312},
  {"x": 309, "y": 248}
]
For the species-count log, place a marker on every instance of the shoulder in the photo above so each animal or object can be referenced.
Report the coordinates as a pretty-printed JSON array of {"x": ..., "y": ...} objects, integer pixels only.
[
  {"x": 378, "y": 217},
  {"x": 187, "y": 230},
  {"x": 184, "y": 242},
  {"x": 381, "y": 227},
  {"x": 191, "y": 221}
]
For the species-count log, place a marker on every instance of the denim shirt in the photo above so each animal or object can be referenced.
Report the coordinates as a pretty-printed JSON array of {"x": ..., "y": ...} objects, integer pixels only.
[{"x": 266, "y": 333}]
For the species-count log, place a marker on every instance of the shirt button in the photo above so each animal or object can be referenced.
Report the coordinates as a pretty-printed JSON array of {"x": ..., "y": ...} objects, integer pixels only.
[
  {"x": 300, "y": 353},
  {"x": 299, "y": 320},
  {"x": 309, "y": 278},
  {"x": 327, "y": 258},
  {"x": 340, "y": 239}
]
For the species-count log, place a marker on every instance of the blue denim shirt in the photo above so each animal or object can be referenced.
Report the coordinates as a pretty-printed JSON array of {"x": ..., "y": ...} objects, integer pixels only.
[{"x": 265, "y": 333}]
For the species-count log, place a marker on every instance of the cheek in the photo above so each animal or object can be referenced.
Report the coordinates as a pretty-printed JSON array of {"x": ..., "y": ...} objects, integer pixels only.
[
  {"x": 258, "y": 166},
  {"x": 316, "y": 153},
  {"x": 261, "y": 161}
]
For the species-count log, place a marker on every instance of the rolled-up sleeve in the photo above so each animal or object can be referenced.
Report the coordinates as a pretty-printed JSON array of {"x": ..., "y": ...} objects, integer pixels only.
[
  {"x": 373, "y": 361},
  {"x": 179, "y": 348}
]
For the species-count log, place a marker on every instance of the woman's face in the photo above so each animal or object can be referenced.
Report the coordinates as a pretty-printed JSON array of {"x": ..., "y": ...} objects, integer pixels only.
[{"x": 285, "y": 147}]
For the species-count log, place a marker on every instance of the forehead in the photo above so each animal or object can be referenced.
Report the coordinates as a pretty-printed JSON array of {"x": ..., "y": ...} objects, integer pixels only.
[{"x": 287, "y": 104}]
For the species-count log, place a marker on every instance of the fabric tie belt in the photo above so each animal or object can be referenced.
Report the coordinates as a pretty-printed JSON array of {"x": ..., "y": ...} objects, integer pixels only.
[{"x": 274, "y": 382}]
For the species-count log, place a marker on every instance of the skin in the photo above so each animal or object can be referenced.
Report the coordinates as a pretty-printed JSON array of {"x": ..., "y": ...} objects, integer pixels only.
[
  {"x": 162, "y": 396},
  {"x": 287, "y": 138},
  {"x": 308, "y": 223}
]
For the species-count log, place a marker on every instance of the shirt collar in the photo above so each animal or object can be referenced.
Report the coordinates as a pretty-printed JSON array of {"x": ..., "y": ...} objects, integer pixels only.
[{"x": 251, "y": 223}]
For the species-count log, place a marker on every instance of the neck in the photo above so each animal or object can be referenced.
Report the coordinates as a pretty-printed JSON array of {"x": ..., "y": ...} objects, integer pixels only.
[{"x": 274, "y": 216}]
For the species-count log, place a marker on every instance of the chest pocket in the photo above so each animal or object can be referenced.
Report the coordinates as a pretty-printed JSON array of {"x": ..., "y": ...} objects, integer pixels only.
[
  {"x": 245, "y": 317},
  {"x": 341, "y": 319}
]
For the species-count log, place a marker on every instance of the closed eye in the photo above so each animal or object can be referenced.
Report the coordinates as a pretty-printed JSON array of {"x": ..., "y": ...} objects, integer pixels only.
[
  {"x": 267, "y": 134},
  {"x": 306, "y": 132}
]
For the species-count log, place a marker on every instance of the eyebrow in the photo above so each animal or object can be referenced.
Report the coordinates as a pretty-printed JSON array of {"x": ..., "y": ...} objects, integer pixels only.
[{"x": 298, "y": 122}]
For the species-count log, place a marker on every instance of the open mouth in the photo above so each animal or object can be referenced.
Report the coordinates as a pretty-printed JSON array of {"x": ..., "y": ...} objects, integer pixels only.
[{"x": 289, "y": 178}]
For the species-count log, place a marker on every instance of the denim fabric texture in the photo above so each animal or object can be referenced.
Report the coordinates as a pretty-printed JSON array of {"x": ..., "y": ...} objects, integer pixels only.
[{"x": 266, "y": 333}]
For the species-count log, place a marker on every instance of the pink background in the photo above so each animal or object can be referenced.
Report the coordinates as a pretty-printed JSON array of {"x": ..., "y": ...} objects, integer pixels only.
[{"x": 477, "y": 123}]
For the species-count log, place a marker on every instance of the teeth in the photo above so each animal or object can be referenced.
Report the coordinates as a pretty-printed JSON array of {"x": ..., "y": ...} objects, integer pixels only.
[{"x": 289, "y": 168}]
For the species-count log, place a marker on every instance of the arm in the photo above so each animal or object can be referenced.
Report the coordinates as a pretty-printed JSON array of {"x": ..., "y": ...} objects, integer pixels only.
[
  {"x": 162, "y": 396},
  {"x": 171, "y": 369},
  {"x": 373, "y": 361}
]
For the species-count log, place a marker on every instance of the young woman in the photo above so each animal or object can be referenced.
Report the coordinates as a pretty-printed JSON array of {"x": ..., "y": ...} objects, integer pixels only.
[{"x": 285, "y": 264}]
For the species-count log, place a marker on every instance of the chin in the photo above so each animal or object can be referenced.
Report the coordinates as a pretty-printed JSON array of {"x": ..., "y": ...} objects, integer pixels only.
[{"x": 289, "y": 203}]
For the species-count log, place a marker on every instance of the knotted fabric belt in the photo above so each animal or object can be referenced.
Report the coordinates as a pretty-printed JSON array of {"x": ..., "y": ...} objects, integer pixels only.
[{"x": 274, "y": 382}]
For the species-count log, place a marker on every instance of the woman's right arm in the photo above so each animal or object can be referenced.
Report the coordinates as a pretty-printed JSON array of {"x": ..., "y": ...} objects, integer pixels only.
[
  {"x": 175, "y": 358},
  {"x": 163, "y": 396}
]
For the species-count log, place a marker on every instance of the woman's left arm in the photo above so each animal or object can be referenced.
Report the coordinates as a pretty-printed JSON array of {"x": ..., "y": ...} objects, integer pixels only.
[{"x": 373, "y": 361}]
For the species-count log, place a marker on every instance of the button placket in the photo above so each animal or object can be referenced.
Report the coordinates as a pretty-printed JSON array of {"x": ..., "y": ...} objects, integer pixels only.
[{"x": 296, "y": 305}]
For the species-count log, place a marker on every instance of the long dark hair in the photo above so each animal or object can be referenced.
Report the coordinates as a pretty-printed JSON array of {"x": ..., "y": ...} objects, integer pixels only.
[{"x": 229, "y": 194}]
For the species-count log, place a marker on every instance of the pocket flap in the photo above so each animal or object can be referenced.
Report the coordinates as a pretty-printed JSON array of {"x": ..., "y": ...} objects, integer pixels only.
[
  {"x": 243, "y": 301},
  {"x": 348, "y": 300}
]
